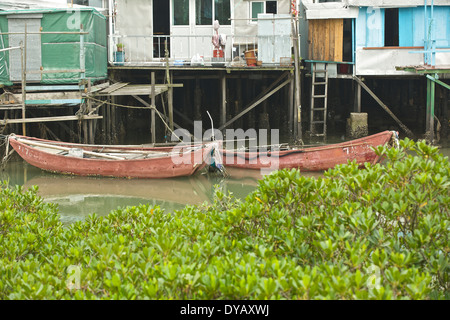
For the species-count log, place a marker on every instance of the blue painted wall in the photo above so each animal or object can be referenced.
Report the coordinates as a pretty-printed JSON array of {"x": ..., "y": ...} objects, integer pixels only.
[
  {"x": 370, "y": 27},
  {"x": 412, "y": 28}
]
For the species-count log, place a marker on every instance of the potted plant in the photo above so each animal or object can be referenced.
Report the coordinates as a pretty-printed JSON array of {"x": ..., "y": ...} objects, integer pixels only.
[{"x": 119, "y": 55}]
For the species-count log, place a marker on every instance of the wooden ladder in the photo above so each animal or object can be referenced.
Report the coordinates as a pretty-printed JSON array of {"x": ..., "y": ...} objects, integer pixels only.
[{"x": 318, "y": 124}]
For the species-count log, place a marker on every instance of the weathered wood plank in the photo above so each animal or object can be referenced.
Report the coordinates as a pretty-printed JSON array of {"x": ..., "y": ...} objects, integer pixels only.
[
  {"x": 325, "y": 37},
  {"x": 49, "y": 119}
]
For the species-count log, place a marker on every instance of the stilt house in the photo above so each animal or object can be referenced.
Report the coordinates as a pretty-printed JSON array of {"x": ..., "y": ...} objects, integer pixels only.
[{"x": 376, "y": 39}]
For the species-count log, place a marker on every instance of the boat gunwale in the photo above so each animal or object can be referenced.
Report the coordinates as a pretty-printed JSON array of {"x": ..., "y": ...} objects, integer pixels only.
[
  {"x": 199, "y": 148},
  {"x": 345, "y": 144}
]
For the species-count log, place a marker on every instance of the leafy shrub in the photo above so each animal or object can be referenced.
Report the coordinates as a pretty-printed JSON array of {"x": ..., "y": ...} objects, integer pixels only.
[{"x": 374, "y": 233}]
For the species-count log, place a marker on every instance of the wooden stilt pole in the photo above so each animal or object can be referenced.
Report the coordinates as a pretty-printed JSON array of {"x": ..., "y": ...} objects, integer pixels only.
[
  {"x": 108, "y": 120},
  {"x": 238, "y": 100},
  {"x": 89, "y": 109},
  {"x": 223, "y": 86},
  {"x": 170, "y": 89},
  {"x": 24, "y": 80},
  {"x": 357, "y": 105},
  {"x": 430, "y": 109},
  {"x": 291, "y": 105},
  {"x": 197, "y": 100},
  {"x": 153, "y": 112},
  {"x": 170, "y": 102},
  {"x": 298, "y": 106}
]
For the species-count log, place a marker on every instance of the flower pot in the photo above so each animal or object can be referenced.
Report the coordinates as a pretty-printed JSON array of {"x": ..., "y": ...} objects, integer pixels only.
[
  {"x": 119, "y": 58},
  {"x": 250, "y": 57}
]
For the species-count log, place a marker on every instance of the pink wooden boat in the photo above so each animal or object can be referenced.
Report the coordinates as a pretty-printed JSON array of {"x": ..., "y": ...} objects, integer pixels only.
[
  {"x": 311, "y": 159},
  {"x": 113, "y": 161}
]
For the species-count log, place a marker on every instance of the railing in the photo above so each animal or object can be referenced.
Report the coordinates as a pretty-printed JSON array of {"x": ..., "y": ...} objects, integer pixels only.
[{"x": 183, "y": 49}]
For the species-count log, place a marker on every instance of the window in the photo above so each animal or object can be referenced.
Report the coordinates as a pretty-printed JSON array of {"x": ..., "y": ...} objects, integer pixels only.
[
  {"x": 222, "y": 11},
  {"x": 257, "y": 7},
  {"x": 391, "y": 33},
  {"x": 180, "y": 12},
  {"x": 205, "y": 10}
]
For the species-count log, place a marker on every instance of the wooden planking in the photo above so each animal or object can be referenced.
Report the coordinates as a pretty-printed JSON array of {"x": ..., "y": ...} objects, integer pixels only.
[
  {"x": 137, "y": 89},
  {"x": 114, "y": 87},
  {"x": 339, "y": 40},
  {"x": 50, "y": 119},
  {"x": 62, "y": 95},
  {"x": 325, "y": 39}
]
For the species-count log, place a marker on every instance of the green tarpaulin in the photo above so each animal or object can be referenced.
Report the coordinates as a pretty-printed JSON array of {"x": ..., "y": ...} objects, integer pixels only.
[{"x": 59, "y": 51}]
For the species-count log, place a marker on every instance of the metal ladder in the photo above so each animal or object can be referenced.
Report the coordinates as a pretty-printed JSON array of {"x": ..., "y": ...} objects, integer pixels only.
[{"x": 319, "y": 110}]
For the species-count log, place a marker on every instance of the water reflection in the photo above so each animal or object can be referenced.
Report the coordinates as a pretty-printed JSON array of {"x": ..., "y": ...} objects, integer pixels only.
[{"x": 77, "y": 197}]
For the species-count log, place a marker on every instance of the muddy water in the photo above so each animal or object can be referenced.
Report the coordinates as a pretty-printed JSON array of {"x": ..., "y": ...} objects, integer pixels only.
[{"x": 78, "y": 197}]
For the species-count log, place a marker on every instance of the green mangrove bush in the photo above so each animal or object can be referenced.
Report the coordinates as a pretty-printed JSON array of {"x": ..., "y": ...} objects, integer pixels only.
[{"x": 374, "y": 233}]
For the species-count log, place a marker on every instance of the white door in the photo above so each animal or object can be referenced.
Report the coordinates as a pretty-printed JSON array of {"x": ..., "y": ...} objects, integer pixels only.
[{"x": 193, "y": 34}]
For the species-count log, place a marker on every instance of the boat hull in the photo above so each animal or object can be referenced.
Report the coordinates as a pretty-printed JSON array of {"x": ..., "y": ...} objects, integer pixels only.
[
  {"x": 153, "y": 168},
  {"x": 311, "y": 159}
]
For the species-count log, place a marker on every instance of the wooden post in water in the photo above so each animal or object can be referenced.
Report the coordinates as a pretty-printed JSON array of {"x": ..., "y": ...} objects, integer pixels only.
[
  {"x": 223, "y": 110},
  {"x": 291, "y": 105},
  {"x": 89, "y": 109},
  {"x": 298, "y": 106},
  {"x": 238, "y": 123},
  {"x": 170, "y": 102},
  {"x": 169, "y": 89},
  {"x": 357, "y": 104},
  {"x": 24, "y": 79},
  {"x": 108, "y": 120},
  {"x": 430, "y": 110},
  {"x": 197, "y": 100},
  {"x": 153, "y": 112}
]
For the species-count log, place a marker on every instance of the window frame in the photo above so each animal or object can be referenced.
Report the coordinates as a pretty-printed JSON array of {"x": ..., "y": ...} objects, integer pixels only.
[
  {"x": 213, "y": 14},
  {"x": 173, "y": 14},
  {"x": 255, "y": 20}
]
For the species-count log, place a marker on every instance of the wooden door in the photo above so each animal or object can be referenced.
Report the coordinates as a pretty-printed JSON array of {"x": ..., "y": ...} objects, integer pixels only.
[{"x": 325, "y": 39}]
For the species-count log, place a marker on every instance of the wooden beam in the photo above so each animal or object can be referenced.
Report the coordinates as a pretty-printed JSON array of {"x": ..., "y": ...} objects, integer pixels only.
[
  {"x": 251, "y": 106},
  {"x": 170, "y": 103},
  {"x": 49, "y": 119},
  {"x": 145, "y": 103},
  {"x": 153, "y": 101},
  {"x": 297, "y": 101},
  {"x": 385, "y": 107},
  {"x": 223, "y": 89},
  {"x": 357, "y": 103},
  {"x": 24, "y": 79},
  {"x": 438, "y": 82}
]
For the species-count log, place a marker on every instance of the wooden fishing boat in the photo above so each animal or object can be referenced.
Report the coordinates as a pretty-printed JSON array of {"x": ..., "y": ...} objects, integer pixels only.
[
  {"x": 311, "y": 159},
  {"x": 113, "y": 161}
]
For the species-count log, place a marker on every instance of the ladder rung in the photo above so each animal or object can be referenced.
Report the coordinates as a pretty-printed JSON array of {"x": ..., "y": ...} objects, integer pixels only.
[
  {"x": 321, "y": 83},
  {"x": 318, "y": 134},
  {"x": 319, "y": 109},
  {"x": 319, "y": 96}
]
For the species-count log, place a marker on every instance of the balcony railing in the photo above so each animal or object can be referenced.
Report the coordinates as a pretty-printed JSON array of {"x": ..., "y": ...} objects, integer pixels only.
[{"x": 139, "y": 50}]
